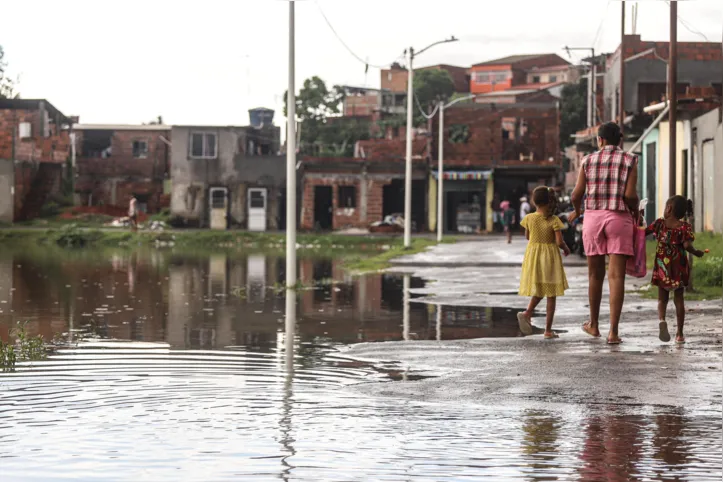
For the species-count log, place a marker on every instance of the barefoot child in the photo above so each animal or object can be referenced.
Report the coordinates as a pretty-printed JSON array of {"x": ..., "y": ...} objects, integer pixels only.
[
  {"x": 542, "y": 273},
  {"x": 671, "y": 271}
]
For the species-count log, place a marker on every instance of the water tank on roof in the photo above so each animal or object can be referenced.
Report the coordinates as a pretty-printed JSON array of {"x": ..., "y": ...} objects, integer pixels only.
[{"x": 261, "y": 117}]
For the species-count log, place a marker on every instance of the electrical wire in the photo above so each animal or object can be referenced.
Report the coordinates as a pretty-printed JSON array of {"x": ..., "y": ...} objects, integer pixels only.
[
  {"x": 333, "y": 30},
  {"x": 419, "y": 105},
  {"x": 688, "y": 27}
]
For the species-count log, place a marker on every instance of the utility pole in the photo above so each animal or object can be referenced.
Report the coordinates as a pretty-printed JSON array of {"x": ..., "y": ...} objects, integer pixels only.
[
  {"x": 408, "y": 163},
  {"x": 673, "y": 97},
  {"x": 291, "y": 162},
  {"x": 622, "y": 75},
  {"x": 440, "y": 173},
  {"x": 591, "y": 86}
]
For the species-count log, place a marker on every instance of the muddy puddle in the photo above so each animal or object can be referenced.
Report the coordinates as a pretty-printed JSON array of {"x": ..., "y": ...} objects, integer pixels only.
[{"x": 183, "y": 368}]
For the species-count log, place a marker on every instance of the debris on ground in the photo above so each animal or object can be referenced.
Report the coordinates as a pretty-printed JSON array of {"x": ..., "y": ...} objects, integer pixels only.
[{"x": 392, "y": 223}]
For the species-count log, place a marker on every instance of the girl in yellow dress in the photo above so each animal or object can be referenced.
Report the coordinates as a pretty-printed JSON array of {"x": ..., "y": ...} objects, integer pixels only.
[{"x": 542, "y": 273}]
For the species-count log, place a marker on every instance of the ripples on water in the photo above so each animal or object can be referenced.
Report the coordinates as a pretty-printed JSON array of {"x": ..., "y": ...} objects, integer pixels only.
[{"x": 170, "y": 408}]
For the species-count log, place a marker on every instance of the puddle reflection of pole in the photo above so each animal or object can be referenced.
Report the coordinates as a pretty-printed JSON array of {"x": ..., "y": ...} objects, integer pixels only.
[
  {"x": 288, "y": 393},
  {"x": 439, "y": 322},
  {"x": 405, "y": 310}
]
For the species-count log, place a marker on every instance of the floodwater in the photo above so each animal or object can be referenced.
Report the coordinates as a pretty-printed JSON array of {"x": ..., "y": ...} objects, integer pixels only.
[{"x": 173, "y": 367}]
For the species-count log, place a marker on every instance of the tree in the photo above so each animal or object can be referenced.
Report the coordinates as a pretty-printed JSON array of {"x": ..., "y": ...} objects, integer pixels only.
[
  {"x": 7, "y": 86},
  {"x": 573, "y": 111},
  {"x": 323, "y": 131},
  {"x": 432, "y": 85}
]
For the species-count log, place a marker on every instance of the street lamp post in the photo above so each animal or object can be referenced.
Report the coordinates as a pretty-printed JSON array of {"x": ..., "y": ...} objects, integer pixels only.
[
  {"x": 408, "y": 166},
  {"x": 291, "y": 160},
  {"x": 440, "y": 165}
]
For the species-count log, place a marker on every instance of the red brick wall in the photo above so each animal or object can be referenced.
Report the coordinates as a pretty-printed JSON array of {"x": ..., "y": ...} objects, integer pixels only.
[
  {"x": 703, "y": 51},
  {"x": 340, "y": 220},
  {"x": 394, "y": 79},
  {"x": 131, "y": 176},
  {"x": 486, "y": 144},
  {"x": 54, "y": 148}
]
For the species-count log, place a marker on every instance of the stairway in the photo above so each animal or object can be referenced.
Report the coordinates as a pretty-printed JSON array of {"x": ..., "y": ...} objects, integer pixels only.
[{"x": 46, "y": 177}]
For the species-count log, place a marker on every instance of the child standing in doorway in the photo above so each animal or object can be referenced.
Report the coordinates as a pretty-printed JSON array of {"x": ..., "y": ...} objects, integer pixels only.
[
  {"x": 543, "y": 275},
  {"x": 671, "y": 270}
]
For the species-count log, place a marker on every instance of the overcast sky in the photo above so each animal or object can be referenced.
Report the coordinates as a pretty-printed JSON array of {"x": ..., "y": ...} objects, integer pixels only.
[{"x": 208, "y": 62}]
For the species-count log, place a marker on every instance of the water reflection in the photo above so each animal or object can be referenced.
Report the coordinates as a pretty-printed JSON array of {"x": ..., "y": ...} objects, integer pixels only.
[
  {"x": 216, "y": 301},
  {"x": 225, "y": 379}
]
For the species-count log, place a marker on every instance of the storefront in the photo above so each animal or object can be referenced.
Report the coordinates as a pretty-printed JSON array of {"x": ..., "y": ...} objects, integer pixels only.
[{"x": 465, "y": 207}]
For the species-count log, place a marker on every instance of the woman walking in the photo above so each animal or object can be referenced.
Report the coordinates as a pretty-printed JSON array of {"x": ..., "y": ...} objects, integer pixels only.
[{"x": 609, "y": 178}]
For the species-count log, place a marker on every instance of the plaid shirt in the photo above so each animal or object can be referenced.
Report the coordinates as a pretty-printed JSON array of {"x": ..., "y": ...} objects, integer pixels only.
[{"x": 607, "y": 172}]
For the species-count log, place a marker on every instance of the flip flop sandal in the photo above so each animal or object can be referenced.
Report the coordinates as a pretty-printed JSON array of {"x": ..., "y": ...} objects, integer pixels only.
[
  {"x": 680, "y": 342},
  {"x": 614, "y": 342},
  {"x": 664, "y": 334},
  {"x": 525, "y": 324},
  {"x": 586, "y": 328},
  {"x": 551, "y": 336}
]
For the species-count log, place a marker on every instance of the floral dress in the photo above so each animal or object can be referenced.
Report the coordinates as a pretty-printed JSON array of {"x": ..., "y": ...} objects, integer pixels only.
[{"x": 671, "y": 270}]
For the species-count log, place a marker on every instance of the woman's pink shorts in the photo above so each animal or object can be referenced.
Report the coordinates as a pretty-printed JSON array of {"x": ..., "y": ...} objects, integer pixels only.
[{"x": 608, "y": 232}]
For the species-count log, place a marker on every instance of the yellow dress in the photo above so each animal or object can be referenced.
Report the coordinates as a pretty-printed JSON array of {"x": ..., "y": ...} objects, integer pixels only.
[{"x": 542, "y": 272}]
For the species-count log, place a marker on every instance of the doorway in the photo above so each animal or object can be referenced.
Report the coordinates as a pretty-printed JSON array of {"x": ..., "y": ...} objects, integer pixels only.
[
  {"x": 257, "y": 209},
  {"x": 393, "y": 201},
  {"x": 218, "y": 208},
  {"x": 323, "y": 208},
  {"x": 708, "y": 185}
]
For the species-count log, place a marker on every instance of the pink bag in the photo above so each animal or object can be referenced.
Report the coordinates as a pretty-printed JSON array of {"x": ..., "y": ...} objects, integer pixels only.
[{"x": 637, "y": 264}]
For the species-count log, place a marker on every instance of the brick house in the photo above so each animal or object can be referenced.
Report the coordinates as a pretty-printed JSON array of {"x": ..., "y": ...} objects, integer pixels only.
[
  {"x": 700, "y": 64},
  {"x": 339, "y": 193},
  {"x": 514, "y": 70},
  {"x": 34, "y": 148},
  {"x": 116, "y": 162},
  {"x": 492, "y": 152}
]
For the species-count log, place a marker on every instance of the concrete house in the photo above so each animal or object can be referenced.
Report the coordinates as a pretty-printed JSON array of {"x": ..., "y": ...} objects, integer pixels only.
[{"x": 228, "y": 176}]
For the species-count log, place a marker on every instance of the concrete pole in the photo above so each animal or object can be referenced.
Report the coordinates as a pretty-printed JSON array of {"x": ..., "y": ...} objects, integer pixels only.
[
  {"x": 290, "y": 329},
  {"x": 291, "y": 161},
  {"x": 408, "y": 165},
  {"x": 673, "y": 97},
  {"x": 593, "y": 73},
  {"x": 440, "y": 176},
  {"x": 622, "y": 76},
  {"x": 590, "y": 80},
  {"x": 405, "y": 308}
]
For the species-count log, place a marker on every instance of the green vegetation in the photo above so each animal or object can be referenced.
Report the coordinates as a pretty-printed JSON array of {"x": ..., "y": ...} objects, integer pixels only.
[
  {"x": 707, "y": 271},
  {"x": 381, "y": 261},
  {"x": 25, "y": 348},
  {"x": 359, "y": 253}
]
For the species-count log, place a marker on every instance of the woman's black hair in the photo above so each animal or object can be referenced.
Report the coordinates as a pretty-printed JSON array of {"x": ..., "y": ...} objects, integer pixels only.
[
  {"x": 610, "y": 132},
  {"x": 682, "y": 207}
]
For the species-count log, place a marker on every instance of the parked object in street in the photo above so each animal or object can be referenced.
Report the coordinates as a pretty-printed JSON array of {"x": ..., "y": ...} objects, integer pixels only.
[
  {"x": 572, "y": 232},
  {"x": 392, "y": 223}
]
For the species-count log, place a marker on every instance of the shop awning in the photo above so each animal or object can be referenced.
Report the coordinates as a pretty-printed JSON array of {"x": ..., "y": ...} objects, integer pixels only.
[{"x": 463, "y": 175}]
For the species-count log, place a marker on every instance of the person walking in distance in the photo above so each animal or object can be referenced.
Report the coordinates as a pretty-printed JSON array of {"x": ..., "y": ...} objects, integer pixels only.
[
  {"x": 508, "y": 219},
  {"x": 609, "y": 178},
  {"x": 525, "y": 207},
  {"x": 671, "y": 270},
  {"x": 133, "y": 213}
]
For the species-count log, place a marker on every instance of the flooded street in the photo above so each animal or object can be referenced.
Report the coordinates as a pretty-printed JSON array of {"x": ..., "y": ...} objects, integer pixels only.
[{"x": 179, "y": 367}]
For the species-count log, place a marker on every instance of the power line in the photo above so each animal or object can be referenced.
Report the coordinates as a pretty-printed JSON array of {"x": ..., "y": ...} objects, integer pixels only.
[
  {"x": 333, "y": 30},
  {"x": 688, "y": 27},
  {"x": 419, "y": 105}
]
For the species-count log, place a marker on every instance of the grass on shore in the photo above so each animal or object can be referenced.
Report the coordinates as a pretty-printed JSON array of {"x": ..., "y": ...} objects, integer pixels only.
[
  {"x": 359, "y": 254},
  {"x": 707, "y": 271}
]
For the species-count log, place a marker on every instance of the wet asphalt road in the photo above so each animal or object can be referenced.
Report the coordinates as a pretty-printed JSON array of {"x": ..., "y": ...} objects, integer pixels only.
[{"x": 530, "y": 372}]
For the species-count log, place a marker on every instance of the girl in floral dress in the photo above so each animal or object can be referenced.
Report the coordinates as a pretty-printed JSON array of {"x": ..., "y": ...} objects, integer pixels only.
[{"x": 671, "y": 271}]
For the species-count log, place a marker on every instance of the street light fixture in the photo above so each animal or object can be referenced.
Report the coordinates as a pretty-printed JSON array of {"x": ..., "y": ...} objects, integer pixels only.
[
  {"x": 440, "y": 163},
  {"x": 408, "y": 166}
]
